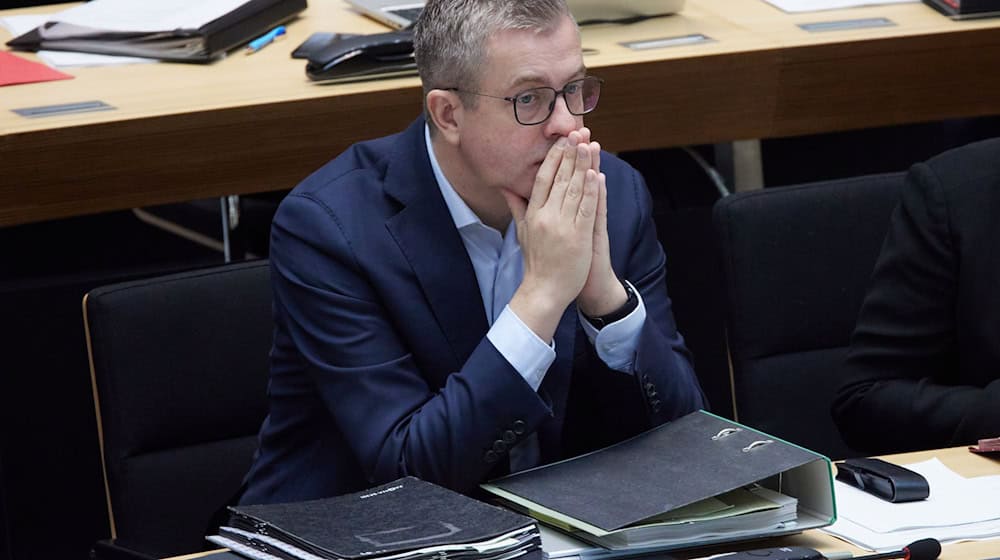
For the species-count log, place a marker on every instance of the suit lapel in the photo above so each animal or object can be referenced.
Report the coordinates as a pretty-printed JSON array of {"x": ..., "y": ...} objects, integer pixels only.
[{"x": 426, "y": 235}]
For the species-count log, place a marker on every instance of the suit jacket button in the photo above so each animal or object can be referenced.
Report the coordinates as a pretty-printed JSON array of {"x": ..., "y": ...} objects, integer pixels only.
[
  {"x": 519, "y": 427},
  {"x": 499, "y": 446},
  {"x": 509, "y": 437},
  {"x": 491, "y": 457}
]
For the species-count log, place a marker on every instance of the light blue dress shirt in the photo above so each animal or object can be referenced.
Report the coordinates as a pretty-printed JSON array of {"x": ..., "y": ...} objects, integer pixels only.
[{"x": 499, "y": 269}]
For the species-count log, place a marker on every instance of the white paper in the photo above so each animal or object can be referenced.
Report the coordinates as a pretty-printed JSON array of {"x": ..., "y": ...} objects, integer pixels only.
[
  {"x": 146, "y": 15},
  {"x": 19, "y": 25},
  {"x": 796, "y": 6},
  {"x": 958, "y": 508},
  {"x": 885, "y": 542}
]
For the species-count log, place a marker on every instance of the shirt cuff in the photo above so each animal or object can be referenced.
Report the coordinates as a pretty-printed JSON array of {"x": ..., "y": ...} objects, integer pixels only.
[
  {"x": 616, "y": 343},
  {"x": 521, "y": 347}
]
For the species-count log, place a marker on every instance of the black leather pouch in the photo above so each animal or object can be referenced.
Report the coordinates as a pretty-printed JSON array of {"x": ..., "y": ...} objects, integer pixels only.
[{"x": 885, "y": 480}]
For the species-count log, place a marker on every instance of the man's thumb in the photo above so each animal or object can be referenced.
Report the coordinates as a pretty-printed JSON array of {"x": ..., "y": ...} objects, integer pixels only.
[{"x": 518, "y": 206}]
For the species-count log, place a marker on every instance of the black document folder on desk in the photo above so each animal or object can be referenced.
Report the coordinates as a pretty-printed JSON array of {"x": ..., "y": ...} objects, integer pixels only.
[
  {"x": 694, "y": 458},
  {"x": 406, "y": 519},
  {"x": 966, "y": 9},
  {"x": 204, "y": 43}
]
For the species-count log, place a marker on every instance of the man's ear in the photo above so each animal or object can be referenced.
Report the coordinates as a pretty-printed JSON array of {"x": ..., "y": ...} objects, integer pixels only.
[{"x": 446, "y": 110}]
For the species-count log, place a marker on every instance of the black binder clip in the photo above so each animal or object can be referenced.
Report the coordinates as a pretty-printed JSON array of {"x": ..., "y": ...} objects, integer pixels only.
[{"x": 885, "y": 480}]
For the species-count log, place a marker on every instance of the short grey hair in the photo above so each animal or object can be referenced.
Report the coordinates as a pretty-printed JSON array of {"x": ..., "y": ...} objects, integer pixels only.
[{"x": 450, "y": 36}]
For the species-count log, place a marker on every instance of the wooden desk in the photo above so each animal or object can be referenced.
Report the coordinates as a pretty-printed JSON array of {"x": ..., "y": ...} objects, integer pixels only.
[
  {"x": 958, "y": 459},
  {"x": 255, "y": 123}
]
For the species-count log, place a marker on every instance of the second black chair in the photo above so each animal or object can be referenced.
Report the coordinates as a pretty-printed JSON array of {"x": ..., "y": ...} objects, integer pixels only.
[{"x": 797, "y": 262}]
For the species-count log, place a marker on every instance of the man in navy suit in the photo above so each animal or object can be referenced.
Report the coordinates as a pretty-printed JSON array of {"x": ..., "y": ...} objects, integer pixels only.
[{"x": 481, "y": 293}]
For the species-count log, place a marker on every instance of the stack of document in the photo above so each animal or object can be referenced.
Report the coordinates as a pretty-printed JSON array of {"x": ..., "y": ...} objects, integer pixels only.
[
  {"x": 183, "y": 30},
  {"x": 796, "y": 6},
  {"x": 407, "y": 519},
  {"x": 743, "y": 512},
  {"x": 957, "y": 509}
]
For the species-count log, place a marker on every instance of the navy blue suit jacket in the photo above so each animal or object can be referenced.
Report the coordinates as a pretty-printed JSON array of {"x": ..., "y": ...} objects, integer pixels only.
[{"x": 381, "y": 366}]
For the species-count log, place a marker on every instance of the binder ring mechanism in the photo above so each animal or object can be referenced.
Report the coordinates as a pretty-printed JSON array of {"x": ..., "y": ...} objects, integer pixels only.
[
  {"x": 725, "y": 432},
  {"x": 756, "y": 444}
]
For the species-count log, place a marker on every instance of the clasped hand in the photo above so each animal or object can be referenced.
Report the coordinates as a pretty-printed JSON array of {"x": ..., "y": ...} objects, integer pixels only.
[{"x": 563, "y": 232}]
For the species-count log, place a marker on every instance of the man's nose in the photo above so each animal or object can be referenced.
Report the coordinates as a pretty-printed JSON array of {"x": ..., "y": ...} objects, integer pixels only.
[{"x": 561, "y": 122}]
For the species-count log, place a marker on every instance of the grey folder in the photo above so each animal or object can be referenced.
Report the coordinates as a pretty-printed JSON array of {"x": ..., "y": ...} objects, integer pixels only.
[{"x": 695, "y": 457}]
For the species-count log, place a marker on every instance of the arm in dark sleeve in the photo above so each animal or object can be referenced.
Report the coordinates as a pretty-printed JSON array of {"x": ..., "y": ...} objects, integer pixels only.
[
  {"x": 396, "y": 420},
  {"x": 899, "y": 391},
  {"x": 662, "y": 359},
  {"x": 662, "y": 385}
]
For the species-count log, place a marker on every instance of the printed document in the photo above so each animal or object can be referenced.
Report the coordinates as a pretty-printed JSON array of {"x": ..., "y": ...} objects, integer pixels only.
[
  {"x": 958, "y": 508},
  {"x": 796, "y": 6}
]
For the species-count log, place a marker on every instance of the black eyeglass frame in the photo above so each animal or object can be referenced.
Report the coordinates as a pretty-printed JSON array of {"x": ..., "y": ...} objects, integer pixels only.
[{"x": 552, "y": 106}]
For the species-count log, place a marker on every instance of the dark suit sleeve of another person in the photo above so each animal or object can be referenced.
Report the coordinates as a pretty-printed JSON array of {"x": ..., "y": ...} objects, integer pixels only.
[{"x": 923, "y": 369}]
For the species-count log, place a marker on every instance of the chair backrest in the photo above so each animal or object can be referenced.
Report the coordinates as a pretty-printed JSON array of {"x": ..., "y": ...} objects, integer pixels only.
[
  {"x": 797, "y": 261},
  {"x": 179, "y": 366}
]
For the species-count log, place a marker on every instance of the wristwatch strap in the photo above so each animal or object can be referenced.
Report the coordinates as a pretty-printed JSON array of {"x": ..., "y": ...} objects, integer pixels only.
[{"x": 618, "y": 314}]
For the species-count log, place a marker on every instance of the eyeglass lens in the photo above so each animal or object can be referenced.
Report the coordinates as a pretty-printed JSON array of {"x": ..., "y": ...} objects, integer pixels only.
[{"x": 535, "y": 105}]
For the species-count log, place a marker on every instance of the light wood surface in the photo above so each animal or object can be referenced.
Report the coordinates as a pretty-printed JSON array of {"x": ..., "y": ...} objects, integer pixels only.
[{"x": 255, "y": 123}]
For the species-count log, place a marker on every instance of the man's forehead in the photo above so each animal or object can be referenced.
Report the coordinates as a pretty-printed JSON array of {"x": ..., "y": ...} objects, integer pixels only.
[{"x": 528, "y": 63}]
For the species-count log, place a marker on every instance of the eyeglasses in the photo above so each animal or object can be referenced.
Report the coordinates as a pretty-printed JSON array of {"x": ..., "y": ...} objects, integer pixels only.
[{"x": 535, "y": 105}]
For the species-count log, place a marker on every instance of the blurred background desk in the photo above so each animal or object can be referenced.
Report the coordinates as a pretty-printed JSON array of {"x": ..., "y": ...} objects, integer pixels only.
[{"x": 255, "y": 123}]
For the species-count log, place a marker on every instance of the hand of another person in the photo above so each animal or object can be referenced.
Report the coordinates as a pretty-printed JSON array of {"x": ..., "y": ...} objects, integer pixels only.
[{"x": 555, "y": 228}]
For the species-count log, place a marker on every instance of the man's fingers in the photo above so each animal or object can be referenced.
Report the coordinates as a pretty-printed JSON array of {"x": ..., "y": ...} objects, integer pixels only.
[
  {"x": 546, "y": 173},
  {"x": 595, "y": 156},
  {"x": 589, "y": 201},
  {"x": 601, "y": 219},
  {"x": 574, "y": 190},
  {"x": 565, "y": 172}
]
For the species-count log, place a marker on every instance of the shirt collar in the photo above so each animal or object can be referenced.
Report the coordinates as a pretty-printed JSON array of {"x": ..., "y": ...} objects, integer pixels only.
[{"x": 461, "y": 214}]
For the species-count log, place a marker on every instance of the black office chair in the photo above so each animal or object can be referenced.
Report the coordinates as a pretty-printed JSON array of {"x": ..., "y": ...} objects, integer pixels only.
[
  {"x": 179, "y": 367},
  {"x": 797, "y": 262}
]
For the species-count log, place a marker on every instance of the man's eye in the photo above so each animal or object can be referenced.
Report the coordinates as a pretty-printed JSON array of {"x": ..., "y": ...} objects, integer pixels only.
[
  {"x": 572, "y": 89},
  {"x": 527, "y": 98}
]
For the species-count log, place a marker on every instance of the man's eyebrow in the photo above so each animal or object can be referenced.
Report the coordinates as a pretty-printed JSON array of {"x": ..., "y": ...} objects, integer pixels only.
[{"x": 539, "y": 79}]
